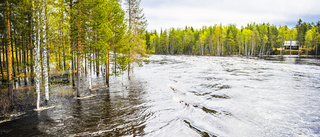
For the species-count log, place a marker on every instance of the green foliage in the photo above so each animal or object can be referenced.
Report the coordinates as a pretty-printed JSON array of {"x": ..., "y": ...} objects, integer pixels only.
[
  {"x": 136, "y": 29},
  {"x": 254, "y": 39},
  {"x": 103, "y": 29}
]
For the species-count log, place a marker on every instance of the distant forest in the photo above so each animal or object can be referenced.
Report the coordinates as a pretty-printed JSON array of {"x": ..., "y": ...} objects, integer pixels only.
[{"x": 253, "y": 39}]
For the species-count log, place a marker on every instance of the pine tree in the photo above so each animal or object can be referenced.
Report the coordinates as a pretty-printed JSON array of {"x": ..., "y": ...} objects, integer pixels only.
[
  {"x": 78, "y": 48},
  {"x": 9, "y": 51},
  {"x": 137, "y": 23}
]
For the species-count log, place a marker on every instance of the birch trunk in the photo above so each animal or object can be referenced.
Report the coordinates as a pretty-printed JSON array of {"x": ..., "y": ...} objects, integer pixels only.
[
  {"x": 44, "y": 55},
  {"x": 90, "y": 71},
  {"x": 37, "y": 66}
]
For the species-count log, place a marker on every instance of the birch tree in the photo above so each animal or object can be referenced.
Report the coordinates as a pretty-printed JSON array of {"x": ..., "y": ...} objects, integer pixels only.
[
  {"x": 44, "y": 46},
  {"x": 36, "y": 37}
]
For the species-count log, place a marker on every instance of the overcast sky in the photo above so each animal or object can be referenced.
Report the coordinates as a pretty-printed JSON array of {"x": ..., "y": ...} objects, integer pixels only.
[{"x": 197, "y": 13}]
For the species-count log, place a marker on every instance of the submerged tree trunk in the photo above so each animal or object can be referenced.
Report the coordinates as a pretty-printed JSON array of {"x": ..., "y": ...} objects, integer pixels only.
[
  {"x": 129, "y": 68},
  {"x": 63, "y": 46},
  {"x": 4, "y": 57},
  {"x": 85, "y": 63},
  {"x": 72, "y": 44},
  {"x": 12, "y": 55},
  {"x": 24, "y": 62},
  {"x": 130, "y": 23},
  {"x": 97, "y": 62},
  {"x": 1, "y": 62},
  {"x": 36, "y": 54},
  {"x": 17, "y": 57},
  {"x": 78, "y": 48},
  {"x": 44, "y": 55},
  {"x": 9, "y": 57},
  {"x": 31, "y": 48},
  {"x": 90, "y": 71},
  {"x": 115, "y": 62},
  {"x": 107, "y": 73},
  {"x": 73, "y": 69}
]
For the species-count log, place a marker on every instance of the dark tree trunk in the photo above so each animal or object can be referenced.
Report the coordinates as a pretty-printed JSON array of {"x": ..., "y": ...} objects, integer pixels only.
[
  {"x": 79, "y": 47},
  {"x": 108, "y": 72},
  {"x": 17, "y": 57},
  {"x": 47, "y": 41},
  {"x": 63, "y": 55},
  {"x": 24, "y": 62},
  {"x": 7, "y": 62},
  {"x": 72, "y": 45},
  {"x": 27, "y": 55},
  {"x": 12, "y": 57},
  {"x": 1, "y": 62},
  {"x": 63, "y": 51},
  {"x": 4, "y": 59},
  {"x": 129, "y": 68},
  {"x": 9, "y": 50},
  {"x": 31, "y": 51},
  {"x": 85, "y": 62},
  {"x": 20, "y": 54},
  {"x": 41, "y": 63},
  {"x": 59, "y": 59},
  {"x": 115, "y": 62},
  {"x": 97, "y": 62},
  {"x": 73, "y": 70}
]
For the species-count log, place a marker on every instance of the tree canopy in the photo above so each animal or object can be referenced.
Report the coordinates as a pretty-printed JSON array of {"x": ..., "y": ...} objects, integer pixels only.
[{"x": 253, "y": 39}]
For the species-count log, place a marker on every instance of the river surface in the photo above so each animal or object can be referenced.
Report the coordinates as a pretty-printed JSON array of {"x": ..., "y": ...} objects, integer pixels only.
[{"x": 189, "y": 96}]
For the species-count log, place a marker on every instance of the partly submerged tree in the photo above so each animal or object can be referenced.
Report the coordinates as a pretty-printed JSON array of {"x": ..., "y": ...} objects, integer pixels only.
[
  {"x": 9, "y": 51},
  {"x": 136, "y": 27}
]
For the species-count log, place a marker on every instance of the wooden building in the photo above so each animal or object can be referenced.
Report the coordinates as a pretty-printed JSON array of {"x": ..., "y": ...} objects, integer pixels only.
[{"x": 291, "y": 45}]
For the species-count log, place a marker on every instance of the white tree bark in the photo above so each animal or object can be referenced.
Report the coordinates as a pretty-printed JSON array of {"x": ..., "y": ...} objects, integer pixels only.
[
  {"x": 44, "y": 55},
  {"x": 90, "y": 70},
  {"x": 36, "y": 37}
]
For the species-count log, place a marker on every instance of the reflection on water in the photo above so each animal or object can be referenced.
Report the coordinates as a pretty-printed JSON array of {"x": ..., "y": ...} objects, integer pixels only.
[
  {"x": 115, "y": 112},
  {"x": 188, "y": 96}
]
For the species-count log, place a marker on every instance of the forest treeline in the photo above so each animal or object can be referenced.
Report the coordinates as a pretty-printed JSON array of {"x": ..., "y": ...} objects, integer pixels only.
[
  {"x": 39, "y": 37},
  {"x": 253, "y": 39}
]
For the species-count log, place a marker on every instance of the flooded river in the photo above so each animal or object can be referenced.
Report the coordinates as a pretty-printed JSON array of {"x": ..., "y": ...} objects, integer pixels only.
[{"x": 189, "y": 96}]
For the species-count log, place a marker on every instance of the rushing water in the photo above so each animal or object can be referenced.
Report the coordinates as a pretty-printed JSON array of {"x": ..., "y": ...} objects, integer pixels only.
[{"x": 190, "y": 96}]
